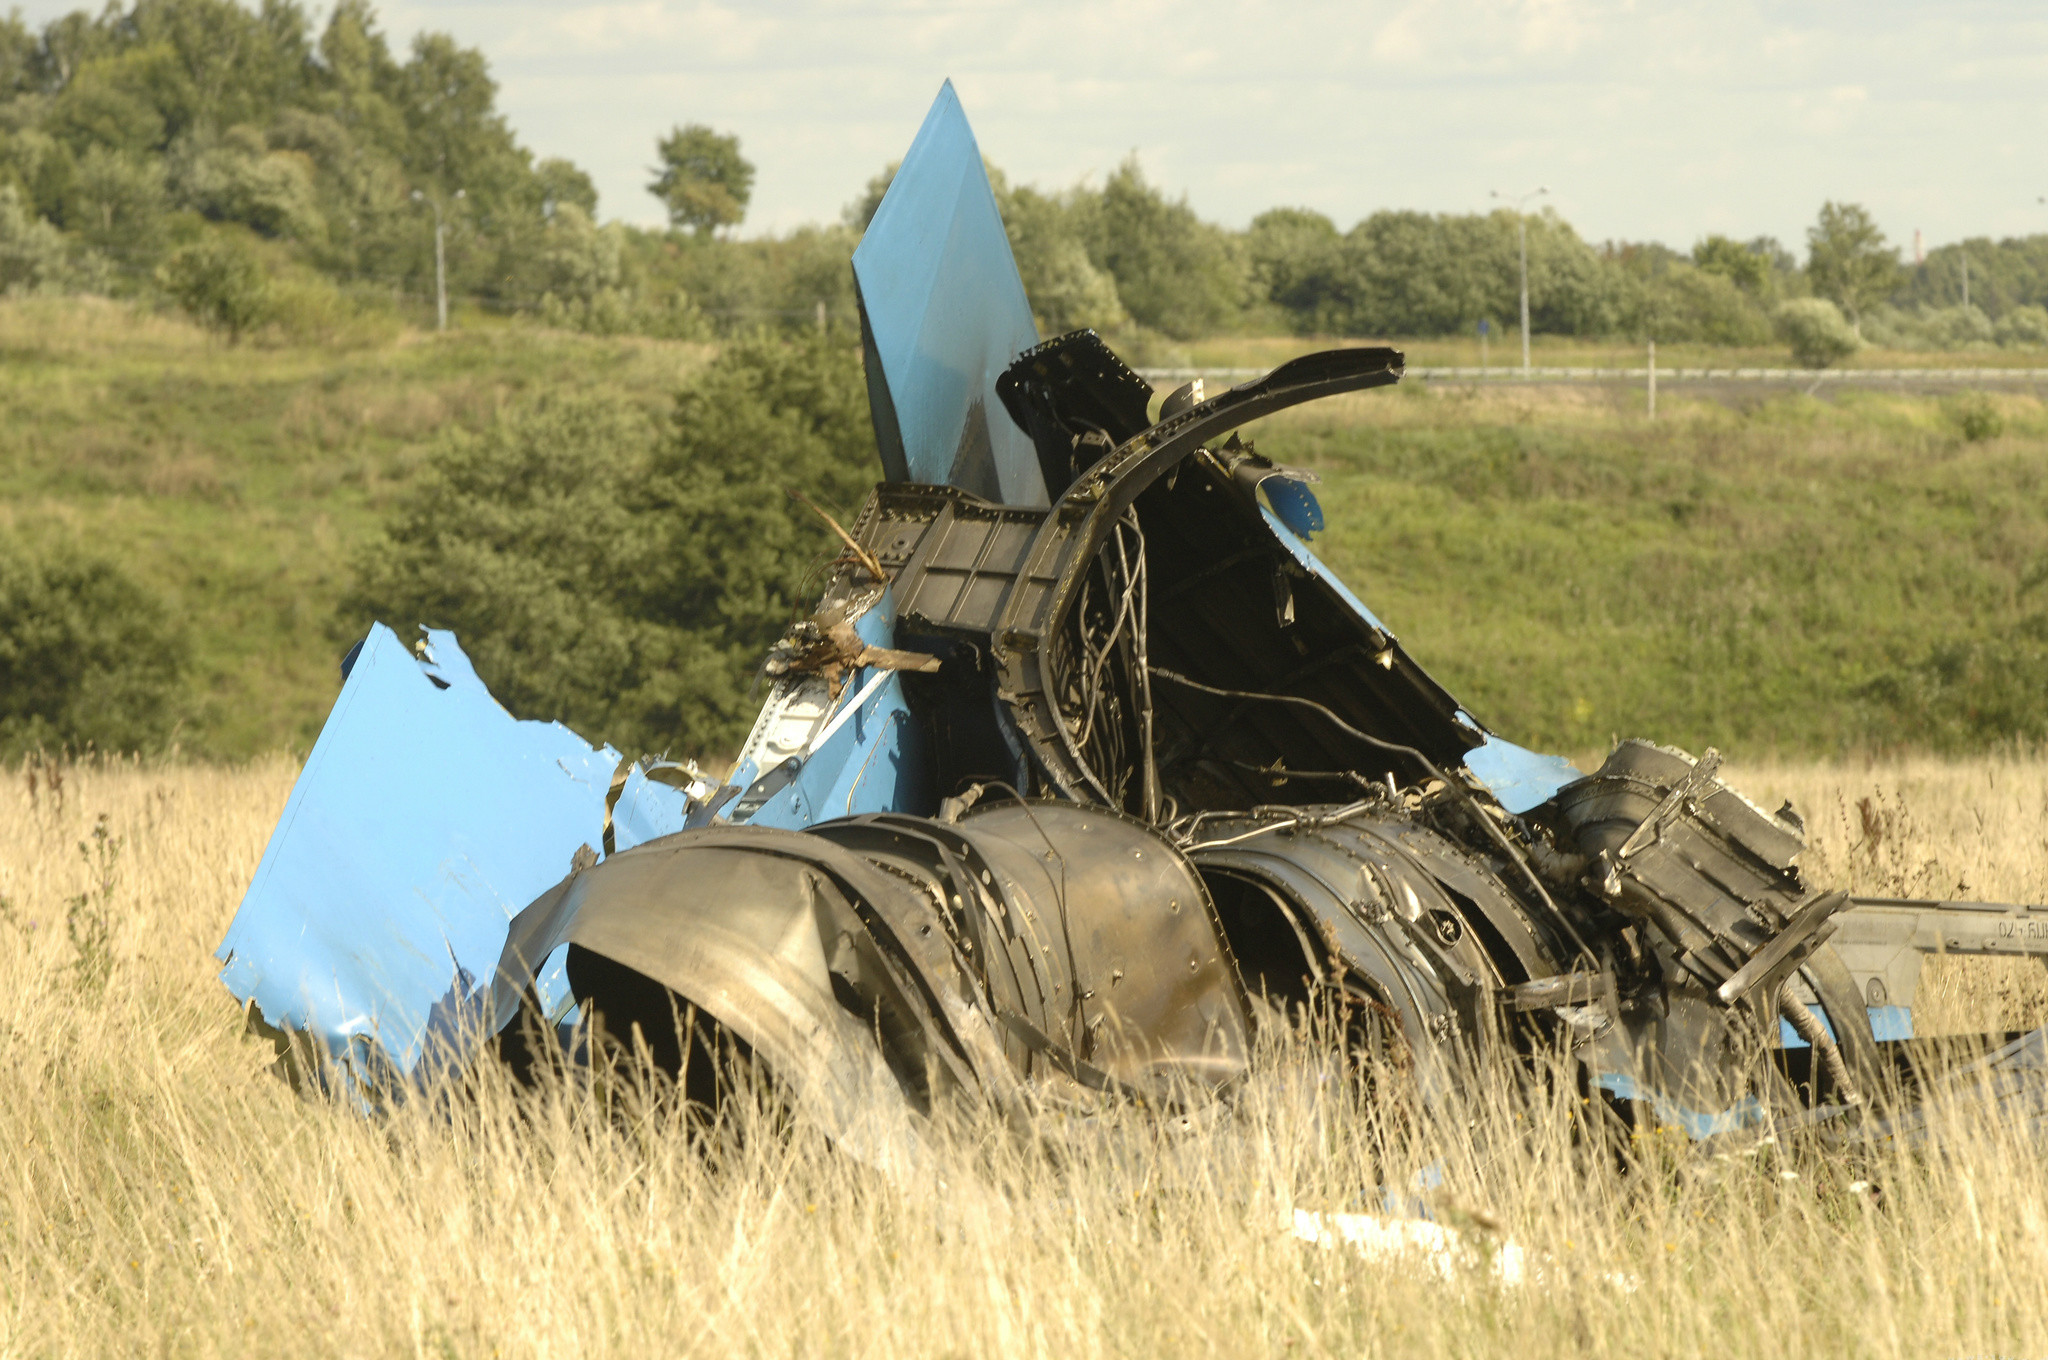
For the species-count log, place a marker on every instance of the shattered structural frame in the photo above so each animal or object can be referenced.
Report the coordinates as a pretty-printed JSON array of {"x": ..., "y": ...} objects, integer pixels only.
[{"x": 1084, "y": 767}]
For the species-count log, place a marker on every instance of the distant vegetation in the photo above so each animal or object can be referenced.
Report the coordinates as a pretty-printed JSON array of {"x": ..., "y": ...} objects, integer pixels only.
[
  {"x": 226, "y": 443},
  {"x": 265, "y": 172},
  {"x": 628, "y": 576},
  {"x": 201, "y": 531}
]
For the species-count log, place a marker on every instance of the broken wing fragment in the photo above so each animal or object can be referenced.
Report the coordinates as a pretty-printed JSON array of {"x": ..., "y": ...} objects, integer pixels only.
[{"x": 424, "y": 819}]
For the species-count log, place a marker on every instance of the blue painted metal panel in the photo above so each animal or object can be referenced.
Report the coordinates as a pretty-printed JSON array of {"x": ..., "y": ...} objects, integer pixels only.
[
  {"x": 646, "y": 810},
  {"x": 1891, "y": 1022},
  {"x": 1788, "y": 1037},
  {"x": 1300, "y": 552},
  {"x": 1886, "y": 1022},
  {"x": 1519, "y": 779},
  {"x": 424, "y": 819},
  {"x": 868, "y": 759},
  {"x": 1294, "y": 504},
  {"x": 1744, "y": 1113},
  {"x": 945, "y": 314}
]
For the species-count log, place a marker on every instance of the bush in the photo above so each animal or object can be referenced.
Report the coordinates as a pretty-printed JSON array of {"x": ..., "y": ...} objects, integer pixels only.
[
  {"x": 1974, "y": 415},
  {"x": 1957, "y": 327},
  {"x": 87, "y": 656},
  {"x": 220, "y": 282},
  {"x": 2023, "y": 328},
  {"x": 33, "y": 257},
  {"x": 621, "y": 579},
  {"x": 1816, "y": 331}
]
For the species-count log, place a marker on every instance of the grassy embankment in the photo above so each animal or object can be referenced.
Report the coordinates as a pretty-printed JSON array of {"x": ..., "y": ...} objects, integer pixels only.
[
  {"x": 162, "y": 1194},
  {"x": 1764, "y": 572},
  {"x": 1555, "y": 351},
  {"x": 238, "y": 480}
]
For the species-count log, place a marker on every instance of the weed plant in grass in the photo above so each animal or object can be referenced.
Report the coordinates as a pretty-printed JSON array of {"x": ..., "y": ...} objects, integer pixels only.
[{"x": 164, "y": 1194}]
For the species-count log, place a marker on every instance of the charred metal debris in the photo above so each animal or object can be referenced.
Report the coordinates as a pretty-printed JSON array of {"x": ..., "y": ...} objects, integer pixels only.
[{"x": 1084, "y": 768}]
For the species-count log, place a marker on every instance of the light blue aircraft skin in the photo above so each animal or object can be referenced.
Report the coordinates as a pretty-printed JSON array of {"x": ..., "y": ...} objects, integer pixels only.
[{"x": 427, "y": 817}]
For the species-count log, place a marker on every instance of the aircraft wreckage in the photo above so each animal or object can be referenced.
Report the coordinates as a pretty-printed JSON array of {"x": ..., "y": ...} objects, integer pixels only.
[{"x": 1085, "y": 767}]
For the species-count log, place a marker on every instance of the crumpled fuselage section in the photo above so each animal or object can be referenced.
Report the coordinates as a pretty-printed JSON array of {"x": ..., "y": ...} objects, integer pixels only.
[{"x": 1084, "y": 768}]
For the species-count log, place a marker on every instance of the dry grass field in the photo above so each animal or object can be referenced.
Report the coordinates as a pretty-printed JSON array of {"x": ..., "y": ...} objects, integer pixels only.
[{"x": 162, "y": 1194}]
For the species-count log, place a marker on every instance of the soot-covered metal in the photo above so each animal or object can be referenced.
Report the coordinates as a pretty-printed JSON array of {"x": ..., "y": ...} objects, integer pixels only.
[{"x": 1084, "y": 768}]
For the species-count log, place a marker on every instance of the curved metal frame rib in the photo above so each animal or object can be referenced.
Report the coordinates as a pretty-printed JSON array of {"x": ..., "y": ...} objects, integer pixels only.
[{"x": 1080, "y": 523}]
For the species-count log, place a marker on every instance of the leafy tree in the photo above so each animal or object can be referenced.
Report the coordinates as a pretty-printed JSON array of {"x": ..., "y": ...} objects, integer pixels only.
[
  {"x": 2003, "y": 275},
  {"x": 862, "y": 210},
  {"x": 1742, "y": 265},
  {"x": 2024, "y": 327},
  {"x": 1066, "y": 288},
  {"x": 1687, "y": 303},
  {"x": 117, "y": 205},
  {"x": 1847, "y": 260},
  {"x": 33, "y": 258},
  {"x": 702, "y": 180},
  {"x": 17, "y": 57},
  {"x": 86, "y": 655},
  {"x": 235, "y": 177},
  {"x": 1816, "y": 331},
  {"x": 111, "y": 104},
  {"x": 1173, "y": 271},
  {"x": 220, "y": 282},
  {"x": 562, "y": 182},
  {"x": 1297, "y": 260},
  {"x": 623, "y": 578}
]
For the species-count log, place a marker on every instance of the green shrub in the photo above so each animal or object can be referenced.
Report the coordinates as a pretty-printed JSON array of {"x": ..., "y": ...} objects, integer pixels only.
[
  {"x": 87, "y": 656},
  {"x": 623, "y": 579},
  {"x": 2023, "y": 328},
  {"x": 1816, "y": 331},
  {"x": 220, "y": 282},
  {"x": 1975, "y": 416}
]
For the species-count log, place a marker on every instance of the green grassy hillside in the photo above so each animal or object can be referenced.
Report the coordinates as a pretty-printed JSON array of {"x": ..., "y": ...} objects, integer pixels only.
[
  {"x": 236, "y": 481},
  {"x": 1794, "y": 574}
]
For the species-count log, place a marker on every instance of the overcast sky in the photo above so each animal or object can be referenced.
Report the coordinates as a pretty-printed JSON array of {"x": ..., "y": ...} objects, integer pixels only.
[{"x": 1646, "y": 120}]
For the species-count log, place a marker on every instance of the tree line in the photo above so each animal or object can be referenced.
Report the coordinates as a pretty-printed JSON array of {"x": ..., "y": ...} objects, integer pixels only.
[{"x": 260, "y": 167}]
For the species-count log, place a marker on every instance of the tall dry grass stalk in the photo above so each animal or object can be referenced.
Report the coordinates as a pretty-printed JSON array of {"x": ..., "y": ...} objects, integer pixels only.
[{"x": 163, "y": 1194}]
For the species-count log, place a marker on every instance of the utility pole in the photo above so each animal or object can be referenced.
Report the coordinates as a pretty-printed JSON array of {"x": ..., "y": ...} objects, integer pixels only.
[
  {"x": 1522, "y": 239},
  {"x": 440, "y": 258},
  {"x": 1653, "y": 380},
  {"x": 1964, "y": 256}
]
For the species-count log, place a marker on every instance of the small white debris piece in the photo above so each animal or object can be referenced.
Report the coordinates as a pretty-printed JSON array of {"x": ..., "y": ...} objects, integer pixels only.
[
  {"x": 1445, "y": 1249},
  {"x": 1380, "y": 1239}
]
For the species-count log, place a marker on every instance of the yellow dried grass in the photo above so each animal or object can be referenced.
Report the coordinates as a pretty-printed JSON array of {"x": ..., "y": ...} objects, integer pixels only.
[{"x": 160, "y": 1193}]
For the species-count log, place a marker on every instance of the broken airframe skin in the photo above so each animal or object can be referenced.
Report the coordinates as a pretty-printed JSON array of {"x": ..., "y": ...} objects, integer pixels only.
[{"x": 1084, "y": 763}]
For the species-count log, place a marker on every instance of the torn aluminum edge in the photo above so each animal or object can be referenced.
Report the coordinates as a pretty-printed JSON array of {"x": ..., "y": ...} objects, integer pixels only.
[{"x": 377, "y": 916}]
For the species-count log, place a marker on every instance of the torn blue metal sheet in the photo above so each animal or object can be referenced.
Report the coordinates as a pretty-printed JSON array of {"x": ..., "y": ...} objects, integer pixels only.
[
  {"x": 1744, "y": 1113},
  {"x": 1300, "y": 552},
  {"x": 1519, "y": 779},
  {"x": 1294, "y": 504},
  {"x": 424, "y": 819},
  {"x": 645, "y": 810},
  {"x": 943, "y": 313},
  {"x": 1891, "y": 1022},
  {"x": 870, "y": 759},
  {"x": 867, "y": 756}
]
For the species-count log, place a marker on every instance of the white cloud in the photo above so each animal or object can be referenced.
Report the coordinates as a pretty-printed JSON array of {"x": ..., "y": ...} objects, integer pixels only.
[{"x": 1653, "y": 119}]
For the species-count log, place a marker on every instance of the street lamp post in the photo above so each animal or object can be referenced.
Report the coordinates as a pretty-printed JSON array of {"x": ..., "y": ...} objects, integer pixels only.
[
  {"x": 440, "y": 258},
  {"x": 1522, "y": 239}
]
